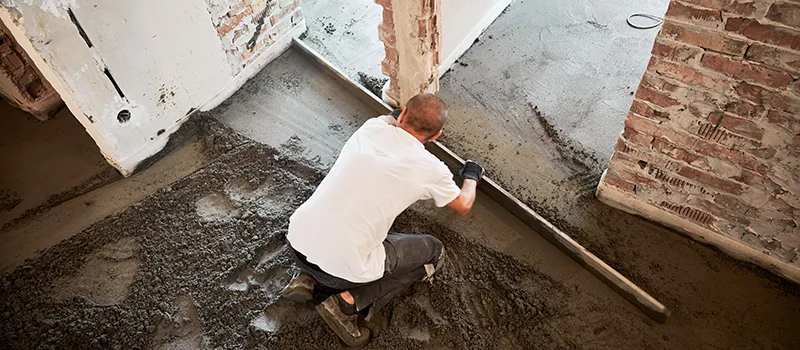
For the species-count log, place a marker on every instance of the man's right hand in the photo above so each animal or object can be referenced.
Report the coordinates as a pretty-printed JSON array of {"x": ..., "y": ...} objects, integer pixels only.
[{"x": 471, "y": 170}]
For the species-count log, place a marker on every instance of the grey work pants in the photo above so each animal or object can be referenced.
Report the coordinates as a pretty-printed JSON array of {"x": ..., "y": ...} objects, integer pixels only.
[{"x": 406, "y": 256}]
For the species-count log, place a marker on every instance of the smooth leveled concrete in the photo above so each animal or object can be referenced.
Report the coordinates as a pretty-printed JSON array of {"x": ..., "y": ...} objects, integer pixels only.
[
  {"x": 346, "y": 33},
  {"x": 577, "y": 60},
  {"x": 44, "y": 163}
]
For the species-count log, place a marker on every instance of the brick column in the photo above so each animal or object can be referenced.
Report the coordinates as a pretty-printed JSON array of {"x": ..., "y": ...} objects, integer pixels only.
[
  {"x": 410, "y": 32},
  {"x": 711, "y": 144}
]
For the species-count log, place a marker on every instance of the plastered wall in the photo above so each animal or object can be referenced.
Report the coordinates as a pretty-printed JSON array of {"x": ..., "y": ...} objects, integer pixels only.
[
  {"x": 462, "y": 23},
  {"x": 132, "y": 71}
]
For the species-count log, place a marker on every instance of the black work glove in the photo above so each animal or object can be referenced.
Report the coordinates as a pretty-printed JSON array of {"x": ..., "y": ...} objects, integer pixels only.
[
  {"x": 471, "y": 170},
  {"x": 396, "y": 113}
]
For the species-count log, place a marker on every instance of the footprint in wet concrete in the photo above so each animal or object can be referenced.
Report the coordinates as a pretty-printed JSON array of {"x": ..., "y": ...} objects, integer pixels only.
[
  {"x": 184, "y": 330},
  {"x": 215, "y": 207},
  {"x": 281, "y": 314},
  {"x": 268, "y": 271},
  {"x": 265, "y": 323},
  {"x": 420, "y": 333},
  {"x": 105, "y": 279}
]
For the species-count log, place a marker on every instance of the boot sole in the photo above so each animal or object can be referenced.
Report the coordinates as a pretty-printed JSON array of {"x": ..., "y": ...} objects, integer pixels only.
[{"x": 343, "y": 335}]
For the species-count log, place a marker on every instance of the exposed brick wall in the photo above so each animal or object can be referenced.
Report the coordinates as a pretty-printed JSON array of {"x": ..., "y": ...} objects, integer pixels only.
[
  {"x": 411, "y": 62},
  {"x": 713, "y": 134},
  {"x": 31, "y": 92},
  {"x": 248, "y": 27}
]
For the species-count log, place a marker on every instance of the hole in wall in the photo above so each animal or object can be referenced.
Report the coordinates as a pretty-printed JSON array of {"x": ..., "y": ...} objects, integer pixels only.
[
  {"x": 160, "y": 132},
  {"x": 124, "y": 116}
]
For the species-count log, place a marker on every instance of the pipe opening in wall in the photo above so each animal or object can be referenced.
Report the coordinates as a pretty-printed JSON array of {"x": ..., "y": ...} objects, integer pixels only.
[
  {"x": 80, "y": 28},
  {"x": 124, "y": 116},
  {"x": 114, "y": 82}
]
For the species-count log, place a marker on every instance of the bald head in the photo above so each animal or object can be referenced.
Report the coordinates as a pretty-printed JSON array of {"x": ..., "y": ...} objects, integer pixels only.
[{"x": 425, "y": 114}]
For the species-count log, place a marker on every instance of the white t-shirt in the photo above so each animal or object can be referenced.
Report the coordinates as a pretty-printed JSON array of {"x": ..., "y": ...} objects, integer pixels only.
[{"x": 380, "y": 172}]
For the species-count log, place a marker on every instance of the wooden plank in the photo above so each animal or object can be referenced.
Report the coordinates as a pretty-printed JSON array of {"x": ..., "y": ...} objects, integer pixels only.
[{"x": 627, "y": 289}]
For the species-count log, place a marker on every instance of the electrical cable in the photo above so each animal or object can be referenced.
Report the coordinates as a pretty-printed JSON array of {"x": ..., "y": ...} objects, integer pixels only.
[{"x": 659, "y": 20}]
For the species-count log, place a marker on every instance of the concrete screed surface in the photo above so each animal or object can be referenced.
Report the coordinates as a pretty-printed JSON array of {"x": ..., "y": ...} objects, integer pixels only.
[
  {"x": 346, "y": 33},
  {"x": 200, "y": 263},
  {"x": 45, "y": 163}
]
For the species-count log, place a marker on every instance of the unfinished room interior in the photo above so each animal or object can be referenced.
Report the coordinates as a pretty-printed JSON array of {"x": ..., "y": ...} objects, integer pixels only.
[{"x": 635, "y": 167}]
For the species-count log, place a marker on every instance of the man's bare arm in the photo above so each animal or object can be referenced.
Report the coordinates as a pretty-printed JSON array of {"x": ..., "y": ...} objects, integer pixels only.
[{"x": 463, "y": 203}]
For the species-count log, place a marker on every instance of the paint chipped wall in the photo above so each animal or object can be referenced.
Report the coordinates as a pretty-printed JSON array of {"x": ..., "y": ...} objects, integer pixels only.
[
  {"x": 712, "y": 140},
  {"x": 248, "y": 27},
  {"x": 131, "y": 72}
]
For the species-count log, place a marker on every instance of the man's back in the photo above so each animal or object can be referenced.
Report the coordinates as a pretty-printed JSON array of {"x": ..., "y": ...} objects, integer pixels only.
[{"x": 381, "y": 170}]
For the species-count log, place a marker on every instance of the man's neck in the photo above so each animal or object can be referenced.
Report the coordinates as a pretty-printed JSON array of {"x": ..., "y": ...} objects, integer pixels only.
[{"x": 411, "y": 132}]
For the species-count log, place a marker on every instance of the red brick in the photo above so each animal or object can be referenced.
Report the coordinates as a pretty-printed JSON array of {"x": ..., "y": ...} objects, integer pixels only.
[
  {"x": 688, "y": 75},
  {"x": 693, "y": 214},
  {"x": 636, "y": 138},
  {"x": 12, "y": 62},
  {"x": 720, "y": 211},
  {"x": 711, "y": 180},
  {"x": 655, "y": 97},
  {"x": 748, "y": 177},
  {"x": 744, "y": 8},
  {"x": 784, "y": 120},
  {"x": 388, "y": 19},
  {"x": 707, "y": 39},
  {"x": 640, "y": 124},
  {"x": 764, "y": 33},
  {"x": 387, "y": 4},
  {"x": 736, "y": 125},
  {"x": 738, "y": 157},
  {"x": 786, "y": 13},
  {"x": 642, "y": 109},
  {"x": 614, "y": 180},
  {"x": 673, "y": 151},
  {"x": 632, "y": 177},
  {"x": 774, "y": 57},
  {"x": 694, "y": 15},
  {"x": 676, "y": 52},
  {"x": 768, "y": 98},
  {"x": 745, "y": 71},
  {"x": 743, "y": 109},
  {"x": 676, "y": 137}
]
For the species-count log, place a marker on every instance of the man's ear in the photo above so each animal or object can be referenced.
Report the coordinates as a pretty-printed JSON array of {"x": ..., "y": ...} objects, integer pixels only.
[
  {"x": 435, "y": 136},
  {"x": 402, "y": 116}
]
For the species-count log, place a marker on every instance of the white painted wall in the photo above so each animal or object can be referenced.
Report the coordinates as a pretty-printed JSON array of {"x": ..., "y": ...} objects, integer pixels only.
[
  {"x": 462, "y": 22},
  {"x": 165, "y": 56}
]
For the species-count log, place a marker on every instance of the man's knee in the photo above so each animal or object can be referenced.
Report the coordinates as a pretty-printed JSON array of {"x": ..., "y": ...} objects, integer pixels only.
[{"x": 435, "y": 247}]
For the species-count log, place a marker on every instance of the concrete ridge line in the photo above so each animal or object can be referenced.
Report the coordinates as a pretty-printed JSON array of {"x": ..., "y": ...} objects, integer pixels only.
[{"x": 619, "y": 283}]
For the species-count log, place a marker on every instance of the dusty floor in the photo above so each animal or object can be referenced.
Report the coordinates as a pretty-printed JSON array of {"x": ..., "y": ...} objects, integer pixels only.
[
  {"x": 198, "y": 263},
  {"x": 346, "y": 33},
  {"x": 45, "y": 163}
]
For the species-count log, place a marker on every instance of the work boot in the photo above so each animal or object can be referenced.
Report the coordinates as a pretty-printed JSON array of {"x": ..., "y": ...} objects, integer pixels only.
[
  {"x": 430, "y": 269},
  {"x": 345, "y": 326},
  {"x": 300, "y": 288}
]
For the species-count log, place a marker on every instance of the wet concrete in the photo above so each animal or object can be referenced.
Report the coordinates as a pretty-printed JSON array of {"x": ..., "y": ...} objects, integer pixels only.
[
  {"x": 210, "y": 256},
  {"x": 45, "y": 163}
]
